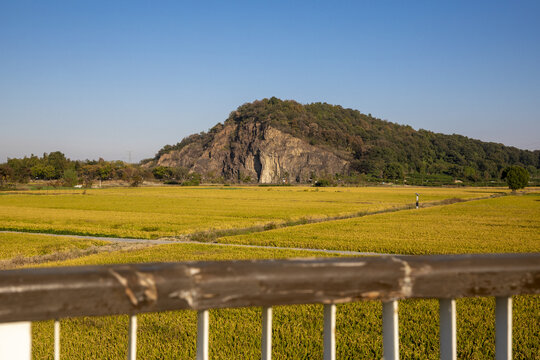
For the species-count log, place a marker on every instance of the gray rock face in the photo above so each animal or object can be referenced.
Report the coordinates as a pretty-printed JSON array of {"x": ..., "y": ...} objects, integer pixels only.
[{"x": 260, "y": 152}]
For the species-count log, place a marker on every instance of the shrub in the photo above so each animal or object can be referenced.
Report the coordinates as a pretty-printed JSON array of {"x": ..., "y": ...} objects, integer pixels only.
[
  {"x": 191, "y": 182},
  {"x": 6, "y": 174},
  {"x": 70, "y": 177},
  {"x": 322, "y": 183},
  {"x": 162, "y": 172},
  {"x": 516, "y": 177},
  {"x": 136, "y": 180}
]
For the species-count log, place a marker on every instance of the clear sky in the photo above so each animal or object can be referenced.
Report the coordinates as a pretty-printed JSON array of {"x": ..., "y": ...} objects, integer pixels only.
[{"x": 103, "y": 78}]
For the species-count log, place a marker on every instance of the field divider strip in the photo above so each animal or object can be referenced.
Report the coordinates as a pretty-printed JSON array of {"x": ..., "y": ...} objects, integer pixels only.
[
  {"x": 165, "y": 241},
  {"x": 90, "y": 237},
  {"x": 20, "y": 261},
  {"x": 212, "y": 235},
  {"x": 269, "y": 247}
]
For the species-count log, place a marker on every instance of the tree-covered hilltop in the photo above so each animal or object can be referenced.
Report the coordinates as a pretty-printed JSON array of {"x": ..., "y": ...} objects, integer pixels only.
[{"x": 375, "y": 147}]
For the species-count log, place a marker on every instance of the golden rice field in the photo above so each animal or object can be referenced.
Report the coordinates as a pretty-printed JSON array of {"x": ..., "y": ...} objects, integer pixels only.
[
  {"x": 168, "y": 211},
  {"x": 504, "y": 224},
  {"x": 27, "y": 245}
]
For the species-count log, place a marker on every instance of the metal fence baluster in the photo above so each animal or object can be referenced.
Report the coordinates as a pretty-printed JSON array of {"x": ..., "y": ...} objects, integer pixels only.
[
  {"x": 132, "y": 344},
  {"x": 56, "y": 339},
  {"x": 266, "y": 341},
  {"x": 447, "y": 326},
  {"x": 329, "y": 343},
  {"x": 503, "y": 328},
  {"x": 202, "y": 335},
  {"x": 390, "y": 331}
]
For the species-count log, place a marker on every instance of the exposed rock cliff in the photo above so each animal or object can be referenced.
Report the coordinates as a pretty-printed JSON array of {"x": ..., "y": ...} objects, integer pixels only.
[{"x": 256, "y": 151}]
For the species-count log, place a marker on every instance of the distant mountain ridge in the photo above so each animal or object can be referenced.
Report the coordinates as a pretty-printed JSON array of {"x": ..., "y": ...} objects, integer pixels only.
[{"x": 273, "y": 140}]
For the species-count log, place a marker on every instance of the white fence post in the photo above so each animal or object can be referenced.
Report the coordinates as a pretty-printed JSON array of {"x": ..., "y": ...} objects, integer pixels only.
[
  {"x": 390, "y": 330},
  {"x": 329, "y": 341},
  {"x": 132, "y": 342},
  {"x": 503, "y": 328},
  {"x": 447, "y": 326},
  {"x": 202, "y": 335},
  {"x": 56, "y": 339},
  {"x": 16, "y": 341},
  {"x": 266, "y": 341}
]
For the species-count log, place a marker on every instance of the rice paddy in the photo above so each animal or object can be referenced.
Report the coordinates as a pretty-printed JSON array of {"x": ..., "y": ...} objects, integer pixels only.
[
  {"x": 503, "y": 224},
  {"x": 171, "y": 211},
  {"x": 26, "y": 245}
]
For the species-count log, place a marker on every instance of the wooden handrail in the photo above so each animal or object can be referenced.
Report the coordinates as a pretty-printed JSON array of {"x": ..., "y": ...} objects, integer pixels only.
[{"x": 54, "y": 293}]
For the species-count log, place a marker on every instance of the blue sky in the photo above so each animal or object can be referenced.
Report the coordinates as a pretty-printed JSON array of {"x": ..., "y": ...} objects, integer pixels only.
[{"x": 102, "y": 78}]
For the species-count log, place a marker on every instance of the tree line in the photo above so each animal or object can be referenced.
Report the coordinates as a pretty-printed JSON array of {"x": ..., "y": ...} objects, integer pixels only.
[{"x": 61, "y": 171}]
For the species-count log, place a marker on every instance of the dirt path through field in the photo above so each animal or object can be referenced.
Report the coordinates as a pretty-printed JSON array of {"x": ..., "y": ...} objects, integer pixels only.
[
  {"x": 21, "y": 261},
  {"x": 89, "y": 237},
  {"x": 171, "y": 241},
  {"x": 339, "y": 252}
]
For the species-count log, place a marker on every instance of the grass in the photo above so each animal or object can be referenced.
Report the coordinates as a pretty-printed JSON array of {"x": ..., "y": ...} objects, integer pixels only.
[
  {"x": 172, "y": 211},
  {"x": 504, "y": 224},
  {"x": 297, "y": 330}
]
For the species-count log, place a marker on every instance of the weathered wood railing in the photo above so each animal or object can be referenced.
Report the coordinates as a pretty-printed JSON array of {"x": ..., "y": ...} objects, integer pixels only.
[{"x": 54, "y": 293}]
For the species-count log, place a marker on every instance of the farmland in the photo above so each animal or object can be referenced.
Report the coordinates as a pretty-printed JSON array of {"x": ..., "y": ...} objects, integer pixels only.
[
  {"x": 154, "y": 212},
  {"x": 503, "y": 224},
  {"x": 13, "y": 245}
]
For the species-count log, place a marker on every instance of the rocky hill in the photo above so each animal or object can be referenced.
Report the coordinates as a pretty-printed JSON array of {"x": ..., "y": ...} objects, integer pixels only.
[{"x": 273, "y": 141}]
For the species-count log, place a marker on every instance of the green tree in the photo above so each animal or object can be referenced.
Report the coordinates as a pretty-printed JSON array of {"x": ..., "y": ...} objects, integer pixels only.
[
  {"x": 6, "y": 174},
  {"x": 43, "y": 172},
  {"x": 89, "y": 173},
  {"x": 58, "y": 161},
  {"x": 179, "y": 173},
  {"x": 162, "y": 172},
  {"x": 104, "y": 170},
  {"x": 393, "y": 171},
  {"x": 134, "y": 175},
  {"x": 516, "y": 177},
  {"x": 470, "y": 173},
  {"x": 70, "y": 177},
  {"x": 22, "y": 168}
]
